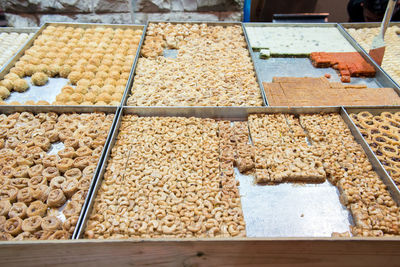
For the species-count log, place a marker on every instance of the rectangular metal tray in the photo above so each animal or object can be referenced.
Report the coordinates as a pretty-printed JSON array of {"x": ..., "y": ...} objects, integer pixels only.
[
  {"x": 309, "y": 210},
  {"x": 71, "y": 109},
  {"x": 213, "y": 23},
  {"x": 301, "y": 66},
  {"x": 376, "y": 111},
  {"x": 49, "y": 91},
  {"x": 369, "y": 25}
]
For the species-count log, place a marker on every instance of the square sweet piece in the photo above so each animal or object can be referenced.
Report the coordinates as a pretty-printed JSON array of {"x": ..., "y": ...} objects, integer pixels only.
[
  {"x": 245, "y": 164},
  {"x": 262, "y": 176}
]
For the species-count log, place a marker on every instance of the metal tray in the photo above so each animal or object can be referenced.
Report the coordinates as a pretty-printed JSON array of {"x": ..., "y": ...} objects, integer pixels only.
[
  {"x": 57, "y": 147},
  {"x": 369, "y": 25},
  {"x": 303, "y": 214},
  {"x": 376, "y": 111},
  {"x": 301, "y": 66},
  {"x": 49, "y": 91},
  {"x": 18, "y": 30},
  {"x": 171, "y": 53}
]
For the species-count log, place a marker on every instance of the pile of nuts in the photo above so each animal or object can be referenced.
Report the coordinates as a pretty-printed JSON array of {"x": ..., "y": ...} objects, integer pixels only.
[
  {"x": 97, "y": 60},
  {"x": 362, "y": 191},
  {"x": 42, "y": 192},
  {"x": 282, "y": 153},
  {"x": 309, "y": 148},
  {"x": 212, "y": 68},
  {"x": 166, "y": 178},
  {"x": 391, "y": 59}
]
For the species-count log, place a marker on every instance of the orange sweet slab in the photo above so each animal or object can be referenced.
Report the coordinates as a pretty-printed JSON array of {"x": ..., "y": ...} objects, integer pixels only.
[{"x": 349, "y": 64}]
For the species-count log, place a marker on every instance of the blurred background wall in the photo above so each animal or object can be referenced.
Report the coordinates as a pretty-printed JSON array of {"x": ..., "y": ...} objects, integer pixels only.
[{"x": 22, "y": 13}]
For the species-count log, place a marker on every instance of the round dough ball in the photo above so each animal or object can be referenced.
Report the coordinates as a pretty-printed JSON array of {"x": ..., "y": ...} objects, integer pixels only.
[
  {"x": 74, "y": 77},
  {"x": 7, "y": 84},
  {"x": 67, "y": 89},
  {"x": 121, "y": 82},
  {"x": 88, "y": 75},
  {"x": 83, "y": 82},
  {"x": 47, "y": 61},
  {"x": 90, "y": 97},
  {"x": 101, "y": 75},
  {"x": 14, "y": 103},
  {"x": 30, "y": 69},
  {"x": 103, "y": 68},
  {"x": 63, "y": 97},
  {"x": 110, "y": 81},
  {"x": 39, "y": 78},
  {"x": 103, "y": 97},
  {"x": 95, "y": 89},
  {"x": 76, "y": 97},
  {"x": 97, "y": 81},
  {"x": 107, "y": 62},
  {"x": 65, "y": 70},
  {"x": 116, "y": 97},
  {"x": 91, "y": 68},
  {"x": 11, "y": 76},
  {"x": 115, "y": 103},
  {"x": 34, "y": 61},
  {"x": 43, "y": 68},
  {"x": 109, "y": 89},
  {"x": 21, "y": 85},
  {"x": 42, "y": 102},
  {"x": 81, "y": 89},
  {"x": 4, "y": 93},
  {"x": 19, "y": 64},
  {"x": 120, "y": 89},
  {"x": 19, "y": 71},
  {"x": 54, "y": 70},
  {"x": 29, "y": 103},
  {"x": 125, "y": 76},
  {"x": 101, "y": 103}
]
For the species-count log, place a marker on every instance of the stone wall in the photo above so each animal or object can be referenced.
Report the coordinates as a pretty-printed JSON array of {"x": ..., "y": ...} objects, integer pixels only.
[{"x": 26, "y": 13}]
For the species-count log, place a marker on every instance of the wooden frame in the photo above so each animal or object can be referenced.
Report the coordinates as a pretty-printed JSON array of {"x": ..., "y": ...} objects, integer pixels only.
[{"x": 205, "y": 252}]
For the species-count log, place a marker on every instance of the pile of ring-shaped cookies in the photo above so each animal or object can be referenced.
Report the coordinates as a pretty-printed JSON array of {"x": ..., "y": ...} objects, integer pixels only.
[
  {"x": 41, "y": 194},
  {"x": 165, "y": 179},
  {"x": 212, "y": 68},
  {"x": 382, "y": 132},
  {"x": 97, "y": 60}
]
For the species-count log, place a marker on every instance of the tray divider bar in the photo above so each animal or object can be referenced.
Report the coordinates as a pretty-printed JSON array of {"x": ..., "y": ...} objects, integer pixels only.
[
  {"x": 98, "y": 177},
  {"x": 252, "y": 56},
  {"x": 95, "y": 174},
  {"x": 131, "y": 78}
]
